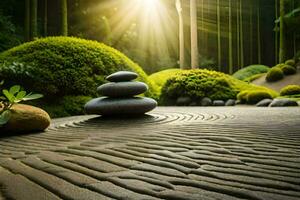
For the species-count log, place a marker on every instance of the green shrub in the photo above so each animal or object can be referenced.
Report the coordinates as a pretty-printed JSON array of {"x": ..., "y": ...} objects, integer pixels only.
[
  {"x": 74, "y": 105},
  {"x": 254, "y": 97},
  {"x": 290, "y": 62},
  {"x": 290, "y": 90},
  {"x": 288, "y": 70},
  {"x": 160, "y": 78},
  {"x": 65, "y": 66},
  {"x": 250, "y": 71},
  {"x": 275, "y": 74},
  {"x": 242, "y": 96},
  {"x": 197, "y": 84}
]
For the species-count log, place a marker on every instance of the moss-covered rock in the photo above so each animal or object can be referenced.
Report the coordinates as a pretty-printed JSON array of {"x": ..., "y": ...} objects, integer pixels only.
[
  {"x": 250, "y": 71},
  {"x": 275, "y": 74},
  {"x": 288, "y": 70},
  {"x": 198, "y": 84},
  {"x": 291, "y": 62},
  {"x": 290, "y": 90},
  {"x": 25, "y": 118}
]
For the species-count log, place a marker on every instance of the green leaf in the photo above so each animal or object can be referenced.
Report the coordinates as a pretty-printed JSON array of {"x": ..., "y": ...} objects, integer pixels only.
[
  {"x": 1, "y": 83},
  {"x": 4, "y": 117},
  {"x": 32, "y": 97},
  {"x": 9, "y": 96},
  {"x": 14, "y": 89},
  {"x": 20, "y": 96}
]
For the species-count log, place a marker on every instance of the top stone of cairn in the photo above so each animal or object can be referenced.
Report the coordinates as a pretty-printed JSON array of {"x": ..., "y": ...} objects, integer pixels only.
[{"x": 122, "y": 76}]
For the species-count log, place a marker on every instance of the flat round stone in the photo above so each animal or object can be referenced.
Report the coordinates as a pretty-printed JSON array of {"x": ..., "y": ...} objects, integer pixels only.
[
  {"x": 122, "y": 89},
  {"x": 122, "y": 76},
  {"x": 120, "y": 106}
]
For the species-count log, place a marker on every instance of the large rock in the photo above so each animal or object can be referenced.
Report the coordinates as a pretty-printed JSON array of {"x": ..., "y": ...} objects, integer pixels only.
[
  {"x": 122, "y": 89},
  {"x": 230, "y": 102},
  {"x": 122, "y": 76},
  {"x": 283, "y": 103},
  {"x": 120, "y": 106},
  {"x": 206, "y": 102},
  {"x": 264, "y": 103},
  {"x": 218, "y": 103},
  {"x": 25, "y": 118}
]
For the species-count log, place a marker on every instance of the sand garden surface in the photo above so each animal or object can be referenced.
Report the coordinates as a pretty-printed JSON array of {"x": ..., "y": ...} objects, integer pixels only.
[{"x": 174, "y": 153}]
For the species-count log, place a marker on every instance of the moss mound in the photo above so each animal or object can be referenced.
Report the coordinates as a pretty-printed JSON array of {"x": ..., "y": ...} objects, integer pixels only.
[
  {"x": 288, "y": 70},
  {"x": 197, "y": 84},
  {"x": 253, "y": 97},
  {"x": 160, "y": 78},
  {"x": 290, "y": 90},
  {"x": 290, "y": 62},
  {"x": 275, "y": 74},
  {"x": 250, "y": 71},
  {"x": 65, "y": 66}
]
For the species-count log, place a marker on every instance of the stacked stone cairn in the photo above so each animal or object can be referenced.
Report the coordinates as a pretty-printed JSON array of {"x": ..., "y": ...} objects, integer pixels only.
[{"x": 119, "y": 97}]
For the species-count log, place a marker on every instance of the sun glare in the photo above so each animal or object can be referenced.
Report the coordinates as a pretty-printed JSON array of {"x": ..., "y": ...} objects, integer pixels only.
[{"x": 149, "y": 5}]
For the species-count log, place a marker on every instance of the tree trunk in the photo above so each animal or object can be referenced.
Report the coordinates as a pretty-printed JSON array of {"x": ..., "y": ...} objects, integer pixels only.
[
  {"x": 282, "y": 30},
  {"x": 276, "y": 32},
  {"x": 64, "y": 17},
  {"x": 33, "y": 19},
  {"x": 258, "y": 34},
  {"x": 45, "y": 25},
  {"x": 181, "y": 35},
  {"x": 251, "y": 32},
  {"x": 238, "y": 42},
  {"x": 27, "y": 21},
  {"x": 230, "y": 37},
  {"x": 194, "y": 35},
  {"x": 219, "y": 35},
  {"x": 241, "y": 34}
]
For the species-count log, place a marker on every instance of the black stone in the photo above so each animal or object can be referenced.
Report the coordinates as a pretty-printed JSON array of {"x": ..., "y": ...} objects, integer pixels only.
[
  {"x": 230, "y": 102},
  {"x": 283, "y": 103},
  {"x": 122, "y": 76},
  {"x": 206, "y": 102},
  {"x": 122, "y": 89},
  {"x": 218, "y": 103},
  {"x": 264, "y": 103},
  {"x": 120, "y": 106}
]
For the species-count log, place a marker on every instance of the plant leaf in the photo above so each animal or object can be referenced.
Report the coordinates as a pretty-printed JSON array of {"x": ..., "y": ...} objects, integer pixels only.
[
  {"x": 4, "y": 117},
  {"x": 20, "y": 96},
  {"x": 9, "y": 96},
  {"x": 14, "y": 89},
  {"x": 32, "y": 97}
]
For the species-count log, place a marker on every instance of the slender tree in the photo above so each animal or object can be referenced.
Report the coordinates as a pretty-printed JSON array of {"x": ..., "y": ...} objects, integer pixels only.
[
  {"x": 181, "y": 34},
  {"x": 219, "y": 35},
  {"x": 238, "y": 42},
  {"x": 241, "y": 34},
  {"x": 251, "y": 32},
  {"x": 64, "y": 17},
  {"x": 258, "y": 33},
  {"x": 33, "y": 19},
  {"x": 27, "y": 20},
  {"x": 45, "y": 25},
  {"x": 230, "y": 59},
  {"x": 194, "y": 35},
  {"x": 276, "y": 32},
  {"x": 282, "y": 30}
]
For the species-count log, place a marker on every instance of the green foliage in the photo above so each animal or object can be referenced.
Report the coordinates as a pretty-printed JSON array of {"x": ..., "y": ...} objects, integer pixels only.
[
  {"x": 64, "y": 66},
  {"x": 10, "y": 97},
  {"x": 197, "y": 84},
  {"x": 254, "y": 97},
  {"x": 275, "y": 74},
  {"x": 8, "y": 36},
  {"x": 290, "y": 62},
  {"x": 160, "y": 78},
  {"x": 290, "y": 90},
  {"x": 247, "y": 72},
  {"x": 288, "y": 70},
  {"x": 74, "y": 105}
]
